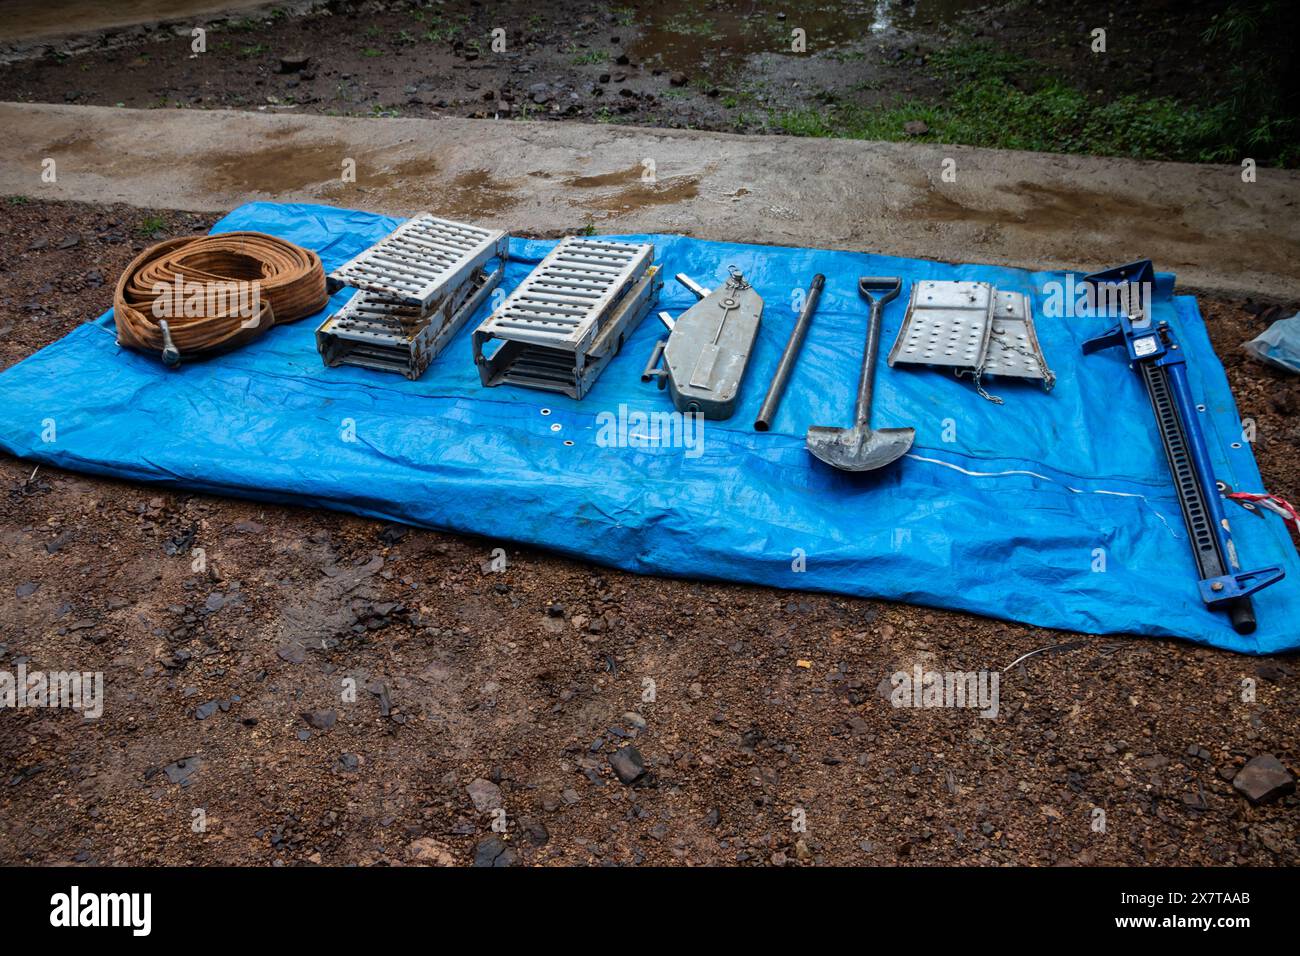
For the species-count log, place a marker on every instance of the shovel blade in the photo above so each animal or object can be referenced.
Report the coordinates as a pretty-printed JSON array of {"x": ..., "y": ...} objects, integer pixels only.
[{"x": 859, "y": 449}]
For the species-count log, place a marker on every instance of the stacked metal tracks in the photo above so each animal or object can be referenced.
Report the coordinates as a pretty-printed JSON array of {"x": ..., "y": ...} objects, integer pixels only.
[
  {"x": 417, "y": 287},
  {"x": 561, "y": 326}
]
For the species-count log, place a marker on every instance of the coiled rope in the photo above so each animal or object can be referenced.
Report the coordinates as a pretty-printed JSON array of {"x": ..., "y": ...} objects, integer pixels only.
[{"x": 214, "y": 292}]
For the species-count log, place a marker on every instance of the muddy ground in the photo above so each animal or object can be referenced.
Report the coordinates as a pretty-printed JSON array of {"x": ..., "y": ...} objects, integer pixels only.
[
  {"x": 675, "y": 63},
  {"x": 227, "y": 737}
]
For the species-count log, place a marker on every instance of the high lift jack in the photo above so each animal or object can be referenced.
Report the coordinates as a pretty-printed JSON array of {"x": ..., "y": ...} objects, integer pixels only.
[{"x": 1154, "y": 352}]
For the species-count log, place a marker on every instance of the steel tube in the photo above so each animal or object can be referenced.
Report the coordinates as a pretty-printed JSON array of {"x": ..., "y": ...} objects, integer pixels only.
[{"x": 782, "y": 375}]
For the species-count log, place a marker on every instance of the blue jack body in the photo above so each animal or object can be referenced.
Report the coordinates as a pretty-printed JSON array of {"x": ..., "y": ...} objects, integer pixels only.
[{"x": 1153, "y": 351}]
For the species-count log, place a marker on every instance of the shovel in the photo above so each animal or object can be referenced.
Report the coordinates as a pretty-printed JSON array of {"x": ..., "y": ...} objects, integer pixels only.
[{"x": 861, "y": 448}]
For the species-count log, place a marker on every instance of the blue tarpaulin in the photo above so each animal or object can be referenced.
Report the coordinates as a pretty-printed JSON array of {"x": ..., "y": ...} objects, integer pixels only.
[{"x": 1052, "y": 509}]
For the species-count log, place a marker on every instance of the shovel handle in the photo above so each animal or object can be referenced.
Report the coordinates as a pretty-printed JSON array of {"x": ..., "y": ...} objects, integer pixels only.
[{"x": 887, "y": 289}]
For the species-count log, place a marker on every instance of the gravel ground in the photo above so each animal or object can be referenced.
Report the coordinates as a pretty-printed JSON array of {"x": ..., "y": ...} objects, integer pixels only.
[{"x": 229, "y": 738}]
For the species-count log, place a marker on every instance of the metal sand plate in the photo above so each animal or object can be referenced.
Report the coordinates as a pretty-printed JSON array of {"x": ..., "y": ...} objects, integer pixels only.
[
  {"x": 1013, "y": 348},
  {"x": 418, "y": 285},
  {"x": 421, "y": 260},
  {"x": 948, "y": 324},
  {"x": 973, "y": 329},
  {"x": 569, "y": 317}
]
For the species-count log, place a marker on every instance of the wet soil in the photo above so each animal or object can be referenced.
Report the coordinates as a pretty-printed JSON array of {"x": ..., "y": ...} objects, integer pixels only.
[
  {"x": 671, "y": 63},
  {"x": 230, "y": 734}
]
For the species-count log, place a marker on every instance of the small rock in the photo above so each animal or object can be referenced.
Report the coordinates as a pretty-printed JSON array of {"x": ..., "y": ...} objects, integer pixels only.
[
  {"x": 1264, "y": 779},
  {"x": 916, "y": 128},
  {"x": 181, "y": 770},
  {"x": 294, "y": 653},
  {"x": 535, "y": 831},
  {"x": 492, "y": 851},
  {"x": 27, "y": 589},
  {"x": 393, "y": 533},
  {"x": 627, "y": 763},
  {"x": 204, "y": 711},
  {"x": 429, "y": 851},
  {"x": 1271, "y": 671},
  {"x": 485, "y": 794},
  {"x": 677, "y": 79},
  {"x": 320, "y": 719},
  {"x": 294, "y": 62}
]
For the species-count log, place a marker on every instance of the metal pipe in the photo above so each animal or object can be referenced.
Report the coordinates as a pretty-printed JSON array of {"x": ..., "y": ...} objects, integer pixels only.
[{"x": 777, "y": 389}]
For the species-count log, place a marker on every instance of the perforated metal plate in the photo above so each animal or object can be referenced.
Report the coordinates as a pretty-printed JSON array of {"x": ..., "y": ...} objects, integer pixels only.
[
  {"x": 421, "y": 260},
  {"x": 947, "y": 324},
  {"x": 973, "y": 329},
  {"x": 1013, "y": 348}
]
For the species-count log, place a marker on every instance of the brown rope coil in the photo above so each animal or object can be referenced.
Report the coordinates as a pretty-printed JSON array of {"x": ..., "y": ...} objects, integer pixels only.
[{"x": 215, "y": 292}]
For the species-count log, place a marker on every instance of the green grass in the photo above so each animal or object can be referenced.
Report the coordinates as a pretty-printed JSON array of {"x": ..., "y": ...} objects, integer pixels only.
[
  {"x": 683, "y": 23},
  {"x": 1000, "y": 100},
  {"x": 372, "y": 52},
  {"x": 150, "y": 226},
  {"x": 442, "y": 30},
  {"x": 589, "y": 57}
]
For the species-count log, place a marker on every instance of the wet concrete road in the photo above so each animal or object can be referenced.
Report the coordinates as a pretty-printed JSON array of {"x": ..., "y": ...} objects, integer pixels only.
[{"x": 1031, "y": 210}]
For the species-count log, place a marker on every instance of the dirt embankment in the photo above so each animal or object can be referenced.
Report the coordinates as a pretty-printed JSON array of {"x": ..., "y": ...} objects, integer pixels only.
[{"x": 729, "y": 67}]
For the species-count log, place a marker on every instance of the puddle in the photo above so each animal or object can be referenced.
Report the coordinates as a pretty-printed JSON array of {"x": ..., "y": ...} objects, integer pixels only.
[
  {"x": 638, "y": 195},
  {"x": 1054, "y": 212},
  {"x": 688, "y": 36},
  {"x": 1049, "y": 208},
  {"x": 629, "y": 175},
  {"x": 475, "y": 194},
  {"x": 293, "y": 166}
]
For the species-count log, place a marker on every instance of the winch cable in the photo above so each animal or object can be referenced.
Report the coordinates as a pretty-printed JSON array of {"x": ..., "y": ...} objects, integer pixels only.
[{"x": 249, "y": 281}]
